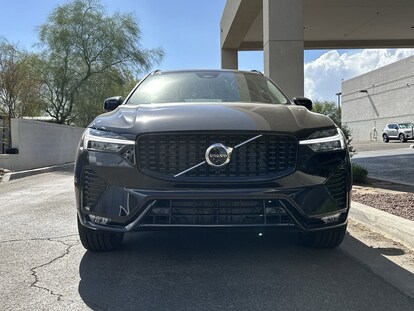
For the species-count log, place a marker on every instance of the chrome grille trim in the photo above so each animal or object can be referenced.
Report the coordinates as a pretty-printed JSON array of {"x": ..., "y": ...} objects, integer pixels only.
[
  {"x": 204, "y": 162},
  {"x": 180, "y": 156}
]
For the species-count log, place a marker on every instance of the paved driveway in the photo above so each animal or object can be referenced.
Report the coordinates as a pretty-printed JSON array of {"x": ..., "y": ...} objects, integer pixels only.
[
  {"x": 395, "y": 165},
  {"x": 44, "y": 267}
]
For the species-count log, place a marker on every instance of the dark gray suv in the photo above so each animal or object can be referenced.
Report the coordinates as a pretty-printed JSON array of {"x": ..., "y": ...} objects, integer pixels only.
[
  {"x": 402, "y": 131},
  {"x": 211, "y": 150}
]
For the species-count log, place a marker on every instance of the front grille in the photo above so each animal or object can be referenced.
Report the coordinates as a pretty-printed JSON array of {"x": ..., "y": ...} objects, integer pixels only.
[
  {"x": 218, "y": 212},
  {"x": 336, "y": 185},
  {"x": 93, "y": 188},
  {"x": 167, "y": 154}
]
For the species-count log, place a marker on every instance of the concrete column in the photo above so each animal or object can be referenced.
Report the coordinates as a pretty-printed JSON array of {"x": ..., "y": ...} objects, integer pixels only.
[
  {"x": 229, "y": 59},
  {"x": 283, "y": 44}
]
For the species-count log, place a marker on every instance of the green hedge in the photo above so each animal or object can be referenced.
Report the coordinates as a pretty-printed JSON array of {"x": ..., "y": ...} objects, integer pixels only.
[{"x": 359, "y": 173}]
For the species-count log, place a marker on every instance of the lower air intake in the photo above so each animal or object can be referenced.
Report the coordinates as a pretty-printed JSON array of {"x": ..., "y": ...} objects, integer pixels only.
[
  {"x": 94, "y": 187},
  {"x": 336, "y": 185},
  {"x": 218, "y": 212}
]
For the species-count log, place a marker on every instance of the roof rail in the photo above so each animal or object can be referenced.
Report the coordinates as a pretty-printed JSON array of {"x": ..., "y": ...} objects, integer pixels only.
[
  {"x": 156, "y": 71},
  {"x": 257, "y": 71}
]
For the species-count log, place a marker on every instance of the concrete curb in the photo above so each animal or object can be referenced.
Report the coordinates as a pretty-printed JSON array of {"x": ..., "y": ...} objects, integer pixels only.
[
  {"x": 379, "y": 179},
  {"x": 397, "y": 228},
  {"x": 16, "y": 175}
]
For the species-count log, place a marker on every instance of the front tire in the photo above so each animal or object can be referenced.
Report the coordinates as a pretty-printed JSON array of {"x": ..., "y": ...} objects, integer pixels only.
[
  {"x": 98, "y": 240},
  {"x": 385, "y": 138},
  {"x": 325, "y": 238},
  {"x": 402, "y": 138}
]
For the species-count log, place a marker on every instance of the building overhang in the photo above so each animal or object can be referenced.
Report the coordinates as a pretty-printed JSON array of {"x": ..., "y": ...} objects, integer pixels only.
[{"x": 328, "y": 24}]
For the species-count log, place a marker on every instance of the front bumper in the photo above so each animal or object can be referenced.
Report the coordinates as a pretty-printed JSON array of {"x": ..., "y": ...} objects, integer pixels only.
[
  {"x": 299, "y": 201},
  {"x": 113, "y": 194},
  {"x": 282, "y": 209}
]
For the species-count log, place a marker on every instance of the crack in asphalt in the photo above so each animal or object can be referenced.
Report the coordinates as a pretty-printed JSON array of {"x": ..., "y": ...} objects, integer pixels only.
[
  {"x": 39, "y": 239},
  {"x": 33, "y": 270}
]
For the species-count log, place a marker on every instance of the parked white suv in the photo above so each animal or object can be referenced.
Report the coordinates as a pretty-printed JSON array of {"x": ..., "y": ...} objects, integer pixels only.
[{"x": 402, "y": 131}]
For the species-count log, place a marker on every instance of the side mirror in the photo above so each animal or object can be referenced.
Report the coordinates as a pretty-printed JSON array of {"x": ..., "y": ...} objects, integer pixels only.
[
  {"x": 112, "y": 103},
  {"x": 303, "y": 101}
]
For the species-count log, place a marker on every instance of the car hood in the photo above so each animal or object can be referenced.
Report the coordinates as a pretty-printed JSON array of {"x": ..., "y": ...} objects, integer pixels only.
[{"x": 146, "y": 118}]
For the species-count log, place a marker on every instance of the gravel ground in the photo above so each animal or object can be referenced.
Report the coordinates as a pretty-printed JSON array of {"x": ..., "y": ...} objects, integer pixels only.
[{"x": 398, "y": 203}]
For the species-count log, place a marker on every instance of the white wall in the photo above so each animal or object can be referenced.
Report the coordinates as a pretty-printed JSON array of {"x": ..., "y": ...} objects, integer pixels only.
[
  {"x": 389, "y": 98},
  {"x": 40, "y": 144}
]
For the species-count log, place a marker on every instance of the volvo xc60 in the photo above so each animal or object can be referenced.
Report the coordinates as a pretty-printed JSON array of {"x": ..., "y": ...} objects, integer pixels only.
[{"x": 211, "y": 149}]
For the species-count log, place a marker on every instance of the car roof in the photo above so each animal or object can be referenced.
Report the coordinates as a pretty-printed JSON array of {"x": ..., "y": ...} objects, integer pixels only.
[
  {"x": 404, "y": 122},
  {"x": 158, "y": 71}
]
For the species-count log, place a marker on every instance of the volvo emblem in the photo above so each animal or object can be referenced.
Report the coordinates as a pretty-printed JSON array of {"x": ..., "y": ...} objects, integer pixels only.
[{"x": 218, "y": 155}]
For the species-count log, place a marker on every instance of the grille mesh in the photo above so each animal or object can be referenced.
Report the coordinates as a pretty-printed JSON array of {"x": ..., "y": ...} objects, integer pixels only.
[
  {"x": 336, "y": 185},
  {"x": 94, "y": 187},
  {"x": 165, "y": 155},
  {"x": 218, "y": 212}
]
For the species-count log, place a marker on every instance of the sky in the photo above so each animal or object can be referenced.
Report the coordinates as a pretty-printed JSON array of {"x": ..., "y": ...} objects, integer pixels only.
[{"x": 189, "y": 33}]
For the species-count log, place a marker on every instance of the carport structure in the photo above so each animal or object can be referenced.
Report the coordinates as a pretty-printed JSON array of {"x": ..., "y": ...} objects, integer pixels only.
[{"x": 283, "y": 29}]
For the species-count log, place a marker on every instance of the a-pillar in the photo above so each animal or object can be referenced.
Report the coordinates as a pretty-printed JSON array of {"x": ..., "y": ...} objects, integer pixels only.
[
  {"x": 283, "y": 44},
  {"x": 229, "y": 59}
]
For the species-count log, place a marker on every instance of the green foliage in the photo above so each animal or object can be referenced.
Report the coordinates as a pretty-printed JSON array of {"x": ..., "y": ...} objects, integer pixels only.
[
  {"x": 329, "y": 109},
  {"x": 348, "y": 138},
  {"x": 19, "y": 84},
  {"x": 83, "y": 44},
  {"x": 98, "y": 89},
  {"x": 359, "y": 174}
]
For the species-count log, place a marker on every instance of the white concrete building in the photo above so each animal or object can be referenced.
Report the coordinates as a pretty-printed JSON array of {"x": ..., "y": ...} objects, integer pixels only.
[{"x": 384, "y": 95}]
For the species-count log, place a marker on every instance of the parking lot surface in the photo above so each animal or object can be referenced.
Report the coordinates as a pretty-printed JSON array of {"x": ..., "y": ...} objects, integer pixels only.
[
  {"x": 394, "y": 165},
  {"x": 366, "y": 145},
  {"x": 44, "y": 267}
]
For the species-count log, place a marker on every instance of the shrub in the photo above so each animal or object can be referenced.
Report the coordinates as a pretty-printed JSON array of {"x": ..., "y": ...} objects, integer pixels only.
[
  {"x": 348, "y": 138},
  {"x": 359, "y": 173}
]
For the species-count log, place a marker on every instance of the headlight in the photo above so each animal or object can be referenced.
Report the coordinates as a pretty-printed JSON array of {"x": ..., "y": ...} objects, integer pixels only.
[
  {"x": 104, "y": 141},
  {"x": 320, "y": 142}
]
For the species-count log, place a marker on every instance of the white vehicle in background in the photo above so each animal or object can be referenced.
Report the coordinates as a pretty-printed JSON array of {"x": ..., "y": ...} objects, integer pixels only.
[{"x": 402, "y": 131}]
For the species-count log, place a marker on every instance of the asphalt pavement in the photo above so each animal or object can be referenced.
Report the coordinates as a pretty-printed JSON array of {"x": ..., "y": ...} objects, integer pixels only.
[
  {"x": 44, "y": 267},
  {"x": 394, "y": 165}
]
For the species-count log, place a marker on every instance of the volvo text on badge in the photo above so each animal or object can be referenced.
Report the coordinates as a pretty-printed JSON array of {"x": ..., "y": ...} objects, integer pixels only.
[{"x": 218, "y": 155}]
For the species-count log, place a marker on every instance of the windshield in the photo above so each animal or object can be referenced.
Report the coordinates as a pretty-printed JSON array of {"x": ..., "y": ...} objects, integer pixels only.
[
  {"x": 207, "y": 86},
  {"x": 405, "y": 125}
]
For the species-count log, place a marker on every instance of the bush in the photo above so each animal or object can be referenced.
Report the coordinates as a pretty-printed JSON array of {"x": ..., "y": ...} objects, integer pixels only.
[
  {"x": 348, "y": 138},
  {"x": 359, "y": 174}
]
